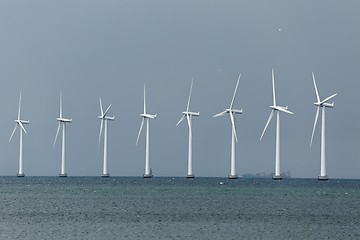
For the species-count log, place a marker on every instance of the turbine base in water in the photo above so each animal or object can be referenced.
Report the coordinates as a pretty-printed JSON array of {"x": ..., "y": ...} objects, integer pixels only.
[
  {"x": 233, "y": 176},
  {"x": 106, "y": 175},
  {"x": 147, "y": 175},
  {"x": 277, "y": 177},
  {"x": 62, "y": 175},
  {"x": 323, "y": 178},
  {"x": 20, "y": 175},
  {"x": 190, "y": 176}
]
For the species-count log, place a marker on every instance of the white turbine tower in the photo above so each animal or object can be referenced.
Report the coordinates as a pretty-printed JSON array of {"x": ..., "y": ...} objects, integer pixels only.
[
  {"x": 146, "y": 117},
  {"x": 321, "y": 104},
  {"x": 188, "y": 115},
  {"x": 232, "y": 113},
  {"x": 277, "y": 109},
  {"x": 62, "y": 122},
  {"x": 104, "y": 119},
  {"x": 20, "y": 123}
]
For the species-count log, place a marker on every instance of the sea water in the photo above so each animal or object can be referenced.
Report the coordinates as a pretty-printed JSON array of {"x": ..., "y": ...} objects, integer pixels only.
[{"x": 178, "y": 208}]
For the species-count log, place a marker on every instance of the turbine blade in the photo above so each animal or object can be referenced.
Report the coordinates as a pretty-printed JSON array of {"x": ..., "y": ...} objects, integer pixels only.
[
  {"x": 22, "y": 126},
  {"x": 188, "y": 118},
  {"x": 19, "y": 106},
  {"x": 141, "y": 126},
  {"x": 188, "y": 104},
  {"x": 144, "y": 99},
  {"x": 267, "y": 123},
  {"x": 316, "y": 90},
  {"x": 233, "y": 99},
  {"x": 101, "y": 128},
  {"x": 181, "y": 119},
  {"x": 12, "y": 134},
  {"x": 313, "y": 131},
  {"x": 107, "y": 110},
  {"x": 273, "y": 87},
  {"x": 233, "y": 125},
  {"x": 57, "y": 133},
  {"x": 328, "y": 98},
  {"x": 101, "y": 108},
  {"x": 220, "y": 114},
  {"x": 60, "y": 104}
]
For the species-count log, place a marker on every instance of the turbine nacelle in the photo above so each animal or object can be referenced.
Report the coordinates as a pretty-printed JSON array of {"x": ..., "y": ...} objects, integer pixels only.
[
  {"x": 22, "y": 122},
  {"x": 281, "y": 109},
  {"x": 146, "y": 115},
  {"x": 196, "y": 114},
  {"x": 234, "y": 111},
  {"x": 106, "y": 118},
  {"x": 329, "y": 105},
  {"x": 64, "y": 120}
]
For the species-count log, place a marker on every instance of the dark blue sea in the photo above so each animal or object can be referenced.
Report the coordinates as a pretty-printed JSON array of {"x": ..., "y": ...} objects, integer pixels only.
[{"x": 178, "y": 208}]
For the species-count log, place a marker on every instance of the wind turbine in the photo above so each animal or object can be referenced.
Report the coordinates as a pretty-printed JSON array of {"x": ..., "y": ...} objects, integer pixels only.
[
  {"x": 20, "y": 123},
  {"x": 188, "y": 115},
  {"x": 146, "y": 117},
  {"x": 321, "y": 104},
  {"x": 231, "y": 111},
  {"x": 277, "y": 109},
  {"x": 104, "y": 119},
  {"x": 62, "y": 122}
]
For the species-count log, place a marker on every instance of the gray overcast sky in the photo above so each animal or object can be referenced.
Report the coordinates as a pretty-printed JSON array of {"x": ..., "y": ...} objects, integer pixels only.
[{"x": 111, "y": 48}]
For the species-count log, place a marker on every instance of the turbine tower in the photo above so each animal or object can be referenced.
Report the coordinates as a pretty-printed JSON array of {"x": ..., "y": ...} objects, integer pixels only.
[
  {"x": 20, "y": 123},
  {"x": 231, "y": 111},
  {"x": 104, "y": 119},
  {"x": 62, "y": 122},
  {"x": 146, "y": 117},
  {"x": 277, "y": 109},
  {"x": 188, "y": 115},
  {"x": 321, "y": 104}
]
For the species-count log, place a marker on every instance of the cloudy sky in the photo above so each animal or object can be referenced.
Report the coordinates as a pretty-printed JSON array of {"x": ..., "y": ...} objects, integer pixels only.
[{"x": 88, "y": 49}]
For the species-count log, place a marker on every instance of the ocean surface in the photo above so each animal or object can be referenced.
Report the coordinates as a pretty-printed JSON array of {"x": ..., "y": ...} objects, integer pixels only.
[{"x": 178, "y": 208}]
